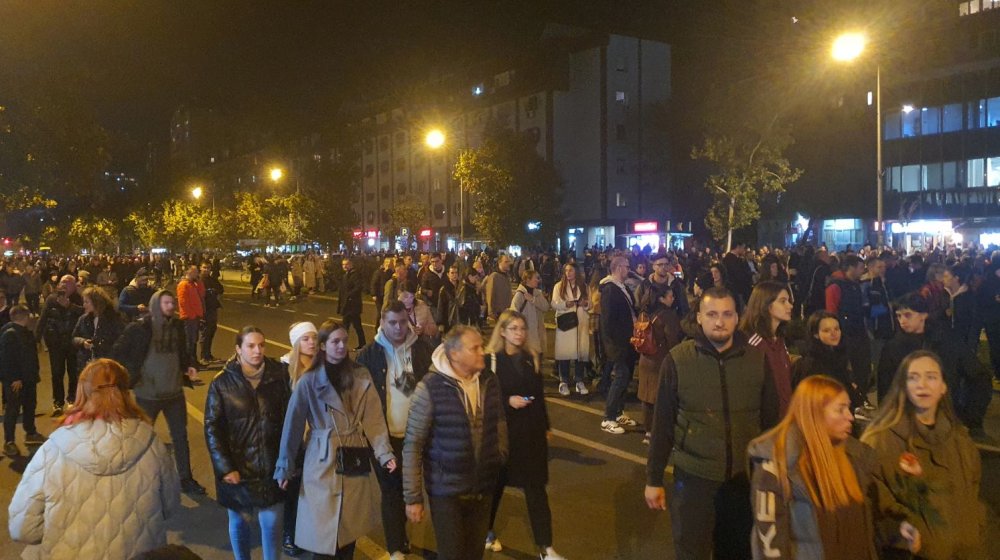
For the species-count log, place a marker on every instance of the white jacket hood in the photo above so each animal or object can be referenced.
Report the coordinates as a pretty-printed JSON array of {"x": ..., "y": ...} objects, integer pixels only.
[
  {"x": 104, "y": 448},
  {"x": 470, "y": 387}
]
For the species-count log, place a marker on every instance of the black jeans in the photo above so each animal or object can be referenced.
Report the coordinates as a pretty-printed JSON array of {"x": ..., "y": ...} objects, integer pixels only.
[
  {"x": 461, "y": 524},
  {"x": 344, "y": 553},
  {"x": 355, "y": 321},
  {"x": 208, "y": 329},
  {"x": 21, "y": 402},
  {"x": 32, "y": 300},
  {"x": 709, "y": 519},
  {"x": 993, "y": 340},
  {"x": 191, "y": 327},
  {"x": 393, "y": 506},
  {"x": 175, "y": 411},
  {"x": 859, "y": 353},
  {"x": 62, "y": 363},
  {"x": 539, "y": 513}
]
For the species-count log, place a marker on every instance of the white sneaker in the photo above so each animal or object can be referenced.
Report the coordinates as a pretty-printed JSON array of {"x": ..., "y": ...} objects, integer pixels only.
[
  {"x": 626, "y": 421},
  {"x": 612, "y": 427},
  {"x": 397, "y": 556},
  {"x": 581, "y": 388},
  {"x": 564, "y": 389},
  {"x": 493, "y": 543},
  {"x": 551, "y": 554}
]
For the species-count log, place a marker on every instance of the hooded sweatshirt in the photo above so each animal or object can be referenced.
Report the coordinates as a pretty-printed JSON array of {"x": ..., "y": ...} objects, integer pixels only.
[
  {"x": 64, "y": 506},
  {"x": 161, "y": 369},
  {"x": 398, "y": 361}
]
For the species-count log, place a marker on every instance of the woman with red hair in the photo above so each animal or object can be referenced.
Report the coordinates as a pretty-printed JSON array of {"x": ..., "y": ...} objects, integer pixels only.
[
  {"x": 811, "y": 480},
  {"x": 103, "y": 484}
]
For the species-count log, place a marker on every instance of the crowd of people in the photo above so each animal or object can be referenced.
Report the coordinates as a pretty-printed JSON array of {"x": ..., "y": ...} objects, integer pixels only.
[{"x": 813, "y": 404}]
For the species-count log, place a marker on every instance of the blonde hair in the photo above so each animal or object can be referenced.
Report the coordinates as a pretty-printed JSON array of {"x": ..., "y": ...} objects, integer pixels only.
[
  {"x": 102, "y": 393},
  {"x": 496, "y": 345},
  {"x": 825, "y": 468}
]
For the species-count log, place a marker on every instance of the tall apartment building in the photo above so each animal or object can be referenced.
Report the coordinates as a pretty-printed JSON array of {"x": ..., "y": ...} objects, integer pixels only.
[
  {"x": 590, "y": 103},
  {"x": 941, "y": 128}
]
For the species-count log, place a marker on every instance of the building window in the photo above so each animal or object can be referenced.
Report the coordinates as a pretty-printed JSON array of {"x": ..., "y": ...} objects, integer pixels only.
[
  {"x": 531, "y": 106},
  {"x": 949, "y": 175},
  {"x": 930, "y": 176},
  {"x": 370, "y": 217},
  {"x": 930, "y": 120},
  {"x": 952, "y": 118},
  {"x": 621, "y": 97},
  {"x": 400, "y": 138},
  {"x": 385, "y": 191},
  {"x": 421, "y": 187},
  {"x": 369, "y": 170},
  {"x": 619, "y": 200},
  {"x": 534, "y": 133},
  {"x": 401, "y": 188},
  {"x": 993, "y": 111},
  {"x": 401, "y": 164},
  {"x": 620, "y": 132},
  {"x": 502, "y": 80},
  {"x": 386, "y": 218},
  {"x": 370, "y": 197},
  {"x": 383, "y": 143},
  {"x": 436, "y": 185},
  {"x": 993, "y": 172},
  {"x": 892, "y": 121},
  {"x": 439, "y": 211},
  {"x": 418, "y": 160},
  {"x": 911, "y": 123},
  {"x": 911, "y": 178},
  {"x": 456, "y": 209},
  {"x": 620, "y": 166},
  {"x": 368, "y": 146},
  {"x": 384, "y": 166},
  {"x": 976, "y": 173},
  {"x": 621, "y": 64},
  {"x": 976, "y": 114}
]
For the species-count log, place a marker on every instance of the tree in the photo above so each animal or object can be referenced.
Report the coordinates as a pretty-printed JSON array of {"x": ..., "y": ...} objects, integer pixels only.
[
  {"x": 749, "y": 162},
  {"x": 145, "y": 230},
  {"x": 513, "y": 186},
  {"x": 96, "y": 234},
  {"x": 408, "y": 212},
  {"x": 187, "y": 225}
]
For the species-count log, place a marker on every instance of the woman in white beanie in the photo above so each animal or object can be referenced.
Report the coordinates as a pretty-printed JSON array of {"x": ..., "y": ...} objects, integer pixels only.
[{"x": 303, "y": 339}]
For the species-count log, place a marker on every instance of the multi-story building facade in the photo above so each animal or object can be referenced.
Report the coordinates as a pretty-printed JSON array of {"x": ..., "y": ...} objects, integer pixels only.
[
  {"x": 591, "y": 103},
  {"x": 941, "y": 129}
]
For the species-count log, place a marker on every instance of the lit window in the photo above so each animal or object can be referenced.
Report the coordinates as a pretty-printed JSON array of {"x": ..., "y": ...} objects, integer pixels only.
[
  {"x": 892, "y": 125},
  {"x": 993, "y": 111},
  {"x": 976, "y": 173},
  {"x": 993, "y": 172},
  {"x": 620, "y": 97},
  {"x": 930, "y": 120},
  {"x": 619, "y": 200},
  {"x": 911, "y": 122},
  {"x": 951, "y": 118},
  {"x": 911, "y": 178}
]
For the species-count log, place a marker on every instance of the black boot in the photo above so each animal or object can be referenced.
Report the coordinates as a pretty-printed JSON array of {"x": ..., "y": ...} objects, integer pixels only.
[{"x": 288, "y": 545}]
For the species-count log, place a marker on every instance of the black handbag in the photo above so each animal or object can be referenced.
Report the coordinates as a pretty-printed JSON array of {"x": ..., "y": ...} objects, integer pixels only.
[
  {"x": 354, "y": 461},
  {"x": 568, "y": 321}
]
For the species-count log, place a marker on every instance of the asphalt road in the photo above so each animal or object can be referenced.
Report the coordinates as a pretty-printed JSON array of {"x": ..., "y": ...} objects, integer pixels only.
[{"x": 596, "y": 479}]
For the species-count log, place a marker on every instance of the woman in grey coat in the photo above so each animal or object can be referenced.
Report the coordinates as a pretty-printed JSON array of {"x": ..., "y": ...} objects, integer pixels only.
[{"x": 338, "y": 401}]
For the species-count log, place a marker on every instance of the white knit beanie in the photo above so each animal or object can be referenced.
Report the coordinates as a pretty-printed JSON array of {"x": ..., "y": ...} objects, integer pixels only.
[{"x": 298, "y": 330}]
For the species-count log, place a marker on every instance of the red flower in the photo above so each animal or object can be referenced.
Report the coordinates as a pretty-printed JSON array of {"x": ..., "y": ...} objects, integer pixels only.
[{"x": 910, "y": 464}]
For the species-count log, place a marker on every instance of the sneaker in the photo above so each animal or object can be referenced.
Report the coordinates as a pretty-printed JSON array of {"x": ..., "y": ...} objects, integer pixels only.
[
  {"x": 397, "y": 556},
  {"x": 289, "y": 548},
  {"x": 581, "y": 388},
  {"x": 624, "y": 420},
  {"x": 612, "y": 427},
  {"x": 564, "y": 389},
  {"x": 10, "y": 449},
  {"x": 551, "y": 554},
  {"x": 35, "y": 438},
  {"x": 646, "y": 438},
  {"x": 57, "y": 411},
  {"x": 493, "y": 543},
  {"x": 869, "y": 407},
  {"x": 191, "y": 486}
]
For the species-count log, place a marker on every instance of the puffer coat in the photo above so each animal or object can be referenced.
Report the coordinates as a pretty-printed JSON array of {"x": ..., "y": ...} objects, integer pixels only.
[
  {"x": 243, "y": 433},
  {"x": 95, "y": 490}
]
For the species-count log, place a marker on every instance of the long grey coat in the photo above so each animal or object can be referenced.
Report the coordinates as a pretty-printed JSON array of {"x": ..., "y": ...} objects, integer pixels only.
[{"x": 334, "y": 510}]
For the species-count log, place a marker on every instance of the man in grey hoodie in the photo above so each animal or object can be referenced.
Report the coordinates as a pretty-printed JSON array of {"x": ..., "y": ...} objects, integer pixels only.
[
  {"x": 153, "y": 351},
  {"x": 456, "y": 442}
]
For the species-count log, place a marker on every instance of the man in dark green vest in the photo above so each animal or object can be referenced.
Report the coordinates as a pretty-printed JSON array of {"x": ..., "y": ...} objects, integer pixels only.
[{"x": 715, "y": 396}]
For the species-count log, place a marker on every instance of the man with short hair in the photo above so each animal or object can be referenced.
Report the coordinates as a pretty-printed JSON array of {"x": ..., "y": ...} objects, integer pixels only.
[
  {"x": 379, "y": 279},
  {"x": 60, "y": 313},
  {"x": 715, "y": 396},
  {"x": 499, "y": 291},
  {"x": 398, "y": 359},
  {"x": 19, "y": 372},
  {"x": 431, "y": 282},
  {"x": 191, "y": 303},
  {"x": 845, "y": 300},
  {"x": 349, "y": 301},
  {"x": 738, "y": 272},
  {"x": 213, "y": 302},
  {"x": 455, "y": 445},
  {"x": 400, "y": 282},
  {"x": 652, "y": 288},
  {"x": 617, "y": 319}
]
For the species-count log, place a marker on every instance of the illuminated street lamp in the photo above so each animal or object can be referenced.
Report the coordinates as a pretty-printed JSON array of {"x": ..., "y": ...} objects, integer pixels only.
[
  {"x": 197, "y": 192},
  {"x": 847, "y": 48},
  {"x": 434, "y": 140},
  {"x": 276, "y": 174}
]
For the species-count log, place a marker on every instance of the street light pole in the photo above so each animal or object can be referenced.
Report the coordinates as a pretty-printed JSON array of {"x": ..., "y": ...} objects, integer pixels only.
[
  {"x": 461, "y": 211},
  {"x": 880, "y": 232}
]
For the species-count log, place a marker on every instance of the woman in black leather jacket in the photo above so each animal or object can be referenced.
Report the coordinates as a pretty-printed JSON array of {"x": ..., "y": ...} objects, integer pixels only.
[
  {"x": 97, "y": 329},
  {"x": 244, "y": 415}
]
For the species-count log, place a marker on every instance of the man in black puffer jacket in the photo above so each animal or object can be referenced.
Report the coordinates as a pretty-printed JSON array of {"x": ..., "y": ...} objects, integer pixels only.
[
  {"x": 244, "y": 415},
  {"x": 456, "y": 442}
]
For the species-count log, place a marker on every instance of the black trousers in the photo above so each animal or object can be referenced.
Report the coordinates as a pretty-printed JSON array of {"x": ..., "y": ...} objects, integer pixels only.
[
  {"x": 354, "y": 320},
  {"x": 539, "y": 513},
  {"x": 859, "y": 354},
  {"x": 710, "y": 520},
  {"x": 993, "y": 339},
  {"x": 461, "y": 524},
  {"x": 175, "y": 411},
  {"x": 21, "y": 402},
  {"x": 208, "y": 329},
  {"x": 62, "y": 364},
  {"x": 393, "y": 506}
]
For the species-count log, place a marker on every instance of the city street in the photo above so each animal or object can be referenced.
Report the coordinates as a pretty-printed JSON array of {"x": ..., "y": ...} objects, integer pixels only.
[{"x": 596, "y": 479}]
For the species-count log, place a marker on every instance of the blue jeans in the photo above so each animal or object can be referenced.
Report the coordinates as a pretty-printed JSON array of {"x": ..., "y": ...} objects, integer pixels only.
[
  {"x": 623, "y": 368},
  {"x": 270, "y": 531},
  {"x": 562, "y": 366}
]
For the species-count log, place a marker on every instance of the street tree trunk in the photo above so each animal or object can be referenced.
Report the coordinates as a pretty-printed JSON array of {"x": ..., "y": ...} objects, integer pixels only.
[{"x": 729, "y": 234}]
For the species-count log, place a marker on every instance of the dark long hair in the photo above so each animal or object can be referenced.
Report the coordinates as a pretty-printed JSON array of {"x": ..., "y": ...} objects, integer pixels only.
[
  {"x": 344, "y": 377},
  {"x": 757, "y": 316}
]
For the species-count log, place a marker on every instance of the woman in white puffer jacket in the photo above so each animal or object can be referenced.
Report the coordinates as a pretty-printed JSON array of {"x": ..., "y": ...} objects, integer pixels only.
[{"x": 103, "y": 484}]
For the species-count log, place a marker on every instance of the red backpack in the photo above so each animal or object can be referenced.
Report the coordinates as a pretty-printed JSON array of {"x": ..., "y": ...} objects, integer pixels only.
[{"x": 642, "y": 335}]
